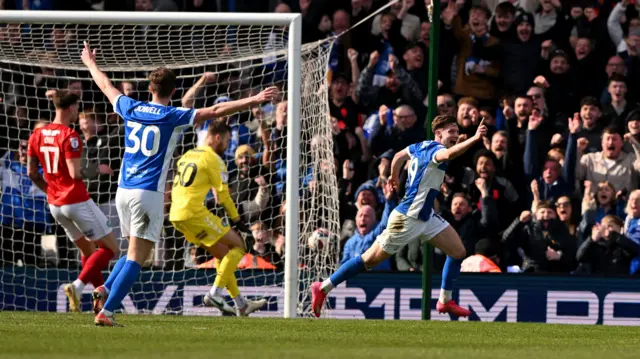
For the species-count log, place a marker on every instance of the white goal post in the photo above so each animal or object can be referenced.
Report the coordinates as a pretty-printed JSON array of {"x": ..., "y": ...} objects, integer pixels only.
[{"x": 179, "y": 24}]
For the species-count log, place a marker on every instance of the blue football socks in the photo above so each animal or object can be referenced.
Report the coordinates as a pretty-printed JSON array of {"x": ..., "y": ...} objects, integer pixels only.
[{"x": 125, "y": 279}]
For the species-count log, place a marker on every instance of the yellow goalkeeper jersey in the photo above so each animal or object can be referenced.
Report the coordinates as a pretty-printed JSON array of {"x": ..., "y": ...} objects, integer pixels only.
[{"x": 198, "y": 171}]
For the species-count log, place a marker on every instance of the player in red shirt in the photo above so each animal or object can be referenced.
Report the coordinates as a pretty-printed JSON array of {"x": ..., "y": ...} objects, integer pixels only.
[{"x": 58, "y": 149}]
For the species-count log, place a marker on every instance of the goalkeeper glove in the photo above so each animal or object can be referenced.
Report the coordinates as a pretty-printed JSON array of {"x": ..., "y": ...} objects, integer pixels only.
[{"x": 240, "y": 226}]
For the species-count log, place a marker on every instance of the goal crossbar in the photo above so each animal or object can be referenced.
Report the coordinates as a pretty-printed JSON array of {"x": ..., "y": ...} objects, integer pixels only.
[
  {"x": 147, "y": 18},
  {"x": 294, "y": 23}
]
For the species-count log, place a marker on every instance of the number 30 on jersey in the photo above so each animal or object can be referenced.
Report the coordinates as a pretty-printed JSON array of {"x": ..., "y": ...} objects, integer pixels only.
[{"x": 141, "y": 140}]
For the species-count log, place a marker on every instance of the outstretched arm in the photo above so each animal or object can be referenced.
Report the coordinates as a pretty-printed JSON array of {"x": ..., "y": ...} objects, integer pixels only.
[
  {"x": 89, "y": 59},
  {"x": 227, "y": 108},
  {"x": 459, "y": 148},
  {"x": 189, "y": 98}
]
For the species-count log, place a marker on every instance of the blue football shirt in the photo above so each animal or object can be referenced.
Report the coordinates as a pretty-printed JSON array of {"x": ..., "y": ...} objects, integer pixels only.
[
  {"x": 151, "y": 134},
  {"x": 424, "y": 180}
]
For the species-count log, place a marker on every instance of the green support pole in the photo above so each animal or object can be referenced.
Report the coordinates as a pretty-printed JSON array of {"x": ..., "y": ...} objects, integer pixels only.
[{"x": 434, "y": 47}]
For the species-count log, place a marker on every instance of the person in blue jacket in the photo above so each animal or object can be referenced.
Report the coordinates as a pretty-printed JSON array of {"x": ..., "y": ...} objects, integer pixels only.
[{"x": 367, "y": 229}]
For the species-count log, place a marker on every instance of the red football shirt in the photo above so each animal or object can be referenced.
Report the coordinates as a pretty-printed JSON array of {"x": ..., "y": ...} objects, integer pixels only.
[{"x": 53, "y": 144}]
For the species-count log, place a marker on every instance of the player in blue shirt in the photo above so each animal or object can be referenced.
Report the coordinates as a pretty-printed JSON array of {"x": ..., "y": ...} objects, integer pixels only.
[
  {"x": 414, "y": 217},
  {"x": 152, "y": 130}
]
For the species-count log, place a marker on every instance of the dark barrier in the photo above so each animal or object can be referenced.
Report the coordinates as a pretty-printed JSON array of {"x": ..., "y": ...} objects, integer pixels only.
[{"x": 510, "y": 298}]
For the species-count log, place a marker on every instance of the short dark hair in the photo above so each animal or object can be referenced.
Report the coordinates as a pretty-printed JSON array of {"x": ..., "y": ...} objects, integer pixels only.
[
  {"x": 484, "y": 153},
  {"x": 442, "y": 121},
  {"x": 590, "y": 101},
  {"x": 524, "y": 96},
  {"x": 612, "y": 219},
  {"x": 63, "y": 99},
  {"x": 612, "y": 130},
  {"x": 505, "y": 8},
  {"x": 616, "y": 77},
  {"x": 218, "y": 127},
  {"x": 546, "y": 204},
  {"x": 162, "y": 81}
]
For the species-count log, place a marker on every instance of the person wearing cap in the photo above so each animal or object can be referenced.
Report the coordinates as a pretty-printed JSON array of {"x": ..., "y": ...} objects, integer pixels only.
[
  {"x": 341, "y": 105},
  {"x": 368, "y": 228},
  {"x": 413, "y": 57},
  {"x": 521, "y": 54},
  {"x": 545, "y": 242},
  {"x": 365, "y": 195}
]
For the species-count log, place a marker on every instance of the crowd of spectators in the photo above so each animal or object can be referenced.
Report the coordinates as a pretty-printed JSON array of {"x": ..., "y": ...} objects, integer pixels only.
[{"x": 552, "y": 189}]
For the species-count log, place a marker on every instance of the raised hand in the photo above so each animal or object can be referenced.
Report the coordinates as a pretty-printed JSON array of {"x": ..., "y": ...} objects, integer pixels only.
[
  {"x": 382, "y": 114},
  {"x": 373, "y": 59},
  {"x": 261, "y": 181},
  {"x": 535, "y": 119},
  {"x": 588, "y": 190},
  {"x": 575, "y": 124},
  {"x": 556, "y": 140},
  {"x": 630, "y": 138},
  {"x": 482, "y": 186},
  {"x": 535, "y": 190},
  {"x": 507, "y": 110},
  {"x": 583, "y": 143},
  {"x": 352, "y": 54},
  {"x": 541, "y": 81},
  {"x": 525, "y": 216},
  {"x": 449, "y": 13},
  {"x": 481, "y": 131},
  {"x": 388, "y": 190},
  {"x": 596, "y": 232},
  {"x": 267, "y": 95},
  {"x": 88, "y": 56},
  {"x": 209, "y": 77},
  {"x": 347, "y": 170}
]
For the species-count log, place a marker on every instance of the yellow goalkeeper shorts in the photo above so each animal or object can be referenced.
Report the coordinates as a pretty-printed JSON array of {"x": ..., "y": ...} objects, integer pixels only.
[{"x": 202, "y": 231}]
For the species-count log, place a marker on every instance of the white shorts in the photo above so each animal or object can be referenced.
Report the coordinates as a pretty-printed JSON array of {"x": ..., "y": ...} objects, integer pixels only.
[
  {"x": 82, "y": 219},
  {"x": 141, "y": 213},
  {"x": 402, "y": 229}
]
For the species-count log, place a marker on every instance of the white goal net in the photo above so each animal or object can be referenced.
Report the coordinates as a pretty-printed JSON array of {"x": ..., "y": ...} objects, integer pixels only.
[{"x": 213, "y": 64}]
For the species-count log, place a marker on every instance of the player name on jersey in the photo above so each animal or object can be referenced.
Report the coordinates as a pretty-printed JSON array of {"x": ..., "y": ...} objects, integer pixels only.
[{"x": 148, "y": 109}]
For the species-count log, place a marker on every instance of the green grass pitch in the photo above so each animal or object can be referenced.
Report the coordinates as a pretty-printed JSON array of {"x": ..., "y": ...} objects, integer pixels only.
[{"x": 51, "y": 336}]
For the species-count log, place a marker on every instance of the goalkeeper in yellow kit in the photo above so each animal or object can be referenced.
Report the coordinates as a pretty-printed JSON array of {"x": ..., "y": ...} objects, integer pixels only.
[{"x": 198, "y": 171}]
